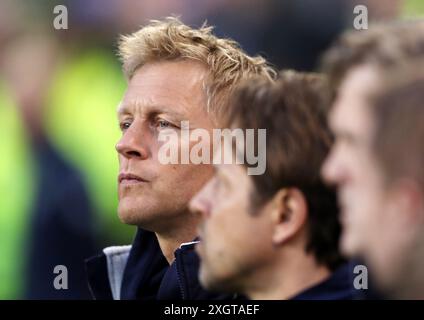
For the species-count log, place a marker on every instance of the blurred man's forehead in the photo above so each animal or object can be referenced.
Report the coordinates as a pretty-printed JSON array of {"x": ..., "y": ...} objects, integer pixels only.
[
  {"x": 351, "y": 109},
  {"x": 361, "y": 80}
]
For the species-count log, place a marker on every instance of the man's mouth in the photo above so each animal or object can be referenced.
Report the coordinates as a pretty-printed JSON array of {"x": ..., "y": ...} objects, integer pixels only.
[{"x": 129, "y": 178}]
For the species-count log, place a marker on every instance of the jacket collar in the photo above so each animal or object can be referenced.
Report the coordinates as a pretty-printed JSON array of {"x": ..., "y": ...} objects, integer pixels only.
[{"x": 147, "y": 274}]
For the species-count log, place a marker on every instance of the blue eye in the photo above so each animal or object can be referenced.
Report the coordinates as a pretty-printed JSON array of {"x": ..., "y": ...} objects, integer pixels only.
[
  {"x": 124, "y": 125},
  {"x": 163, "y": 124}
]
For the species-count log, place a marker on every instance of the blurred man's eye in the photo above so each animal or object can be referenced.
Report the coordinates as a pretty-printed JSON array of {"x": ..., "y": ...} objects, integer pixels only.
[
  {"x": 344, "y": 138},
  {"x": 221, "y": 185},
  {"x": 216, "y": 184}
]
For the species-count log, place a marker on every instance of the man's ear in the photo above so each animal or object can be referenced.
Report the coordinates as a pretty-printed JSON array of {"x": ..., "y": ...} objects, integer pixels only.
[{"x": 289, "y": 214}]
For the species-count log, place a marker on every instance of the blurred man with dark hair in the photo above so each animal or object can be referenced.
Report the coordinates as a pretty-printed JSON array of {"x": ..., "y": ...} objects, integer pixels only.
[
  {"x": 397, "y": 148},
  {"x": 275, "y": 235},
  {"x": 356, "y": 66}
]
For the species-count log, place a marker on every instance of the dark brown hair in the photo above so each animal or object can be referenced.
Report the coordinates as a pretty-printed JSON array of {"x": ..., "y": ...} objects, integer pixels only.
[
  {"x": 383, "y": 45},
  {"x": 293, "y": 110}
]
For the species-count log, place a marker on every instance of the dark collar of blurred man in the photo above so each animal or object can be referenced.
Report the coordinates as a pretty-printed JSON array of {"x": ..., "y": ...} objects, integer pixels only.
[{"x": 175, "y": 74}]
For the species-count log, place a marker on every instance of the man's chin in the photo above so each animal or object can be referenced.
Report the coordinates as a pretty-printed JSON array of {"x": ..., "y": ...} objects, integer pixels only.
[
  {"x": 348, "y": 245},
  {"x": 213, "y": 282},
  {"x": 128, "y": 218},
  {"x": 131, "y": 215},
  {"x": 143, "y": 217},
  {"x": 208, "y": 282}
]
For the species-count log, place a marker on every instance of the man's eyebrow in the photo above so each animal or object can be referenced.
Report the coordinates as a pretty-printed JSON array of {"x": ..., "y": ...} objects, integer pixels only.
[
  {"x": 149, "y": 109},
  {"x": 339, "y": 131},
  {"x": 122, "y": 109}
]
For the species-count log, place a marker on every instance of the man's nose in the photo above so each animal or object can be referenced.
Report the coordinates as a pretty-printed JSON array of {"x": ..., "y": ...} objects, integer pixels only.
[
  {"x": 199, "y": 205},
  {"x": 132, "y": 144},
  {"x": 331, "y": 169}
]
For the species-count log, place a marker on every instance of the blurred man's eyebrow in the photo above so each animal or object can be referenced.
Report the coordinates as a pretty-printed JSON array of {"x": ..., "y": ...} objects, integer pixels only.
[
  {"x": 345, "y": 135},
  {"x": 331, "y": 119},
  {"x": 339, "y": 131}
]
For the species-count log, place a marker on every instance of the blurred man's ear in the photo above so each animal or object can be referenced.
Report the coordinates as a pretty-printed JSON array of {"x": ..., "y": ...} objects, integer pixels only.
[{"x": 289, "y": 212}]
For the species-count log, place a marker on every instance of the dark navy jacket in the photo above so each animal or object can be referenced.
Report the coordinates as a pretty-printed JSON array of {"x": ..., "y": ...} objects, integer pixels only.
[
  {"x": 142, "y": 272},
  {"x": 339, "y": 286}
]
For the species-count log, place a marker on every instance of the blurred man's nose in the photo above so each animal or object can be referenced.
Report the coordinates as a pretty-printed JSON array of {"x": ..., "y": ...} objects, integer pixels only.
[
  {"x": 331, "y": 170},
  {"x": 200, "y": 204},
  {"x": 132, "y": 144}
]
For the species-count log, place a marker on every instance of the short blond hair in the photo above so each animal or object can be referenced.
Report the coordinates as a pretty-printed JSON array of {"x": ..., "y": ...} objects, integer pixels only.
[{"x": 170, "y": 39}]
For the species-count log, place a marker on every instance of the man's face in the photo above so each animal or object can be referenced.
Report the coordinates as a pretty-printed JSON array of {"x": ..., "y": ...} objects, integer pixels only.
[
  {"x": 235, "y": 242},
  {"x": 159, "y": 96},
  {"x": 352, "y": 166}
]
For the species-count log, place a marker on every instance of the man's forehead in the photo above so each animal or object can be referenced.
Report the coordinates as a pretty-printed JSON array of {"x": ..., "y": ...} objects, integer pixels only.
[
  {"x": 348, "y": 119},
  {"x": 361, "y": 79},
  {"x": 156, "y": 93},
  {"x": 169, "y": 75},
  {"x": 164, "y": 87},
  {"x": 352, "y": 105}
]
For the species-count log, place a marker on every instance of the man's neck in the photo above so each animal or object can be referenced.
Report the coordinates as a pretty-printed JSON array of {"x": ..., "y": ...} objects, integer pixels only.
[
  {"x": 171, "y": 241},
  {"x": 288, "y": 278},
  {"x": 408, "y": 282}
]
